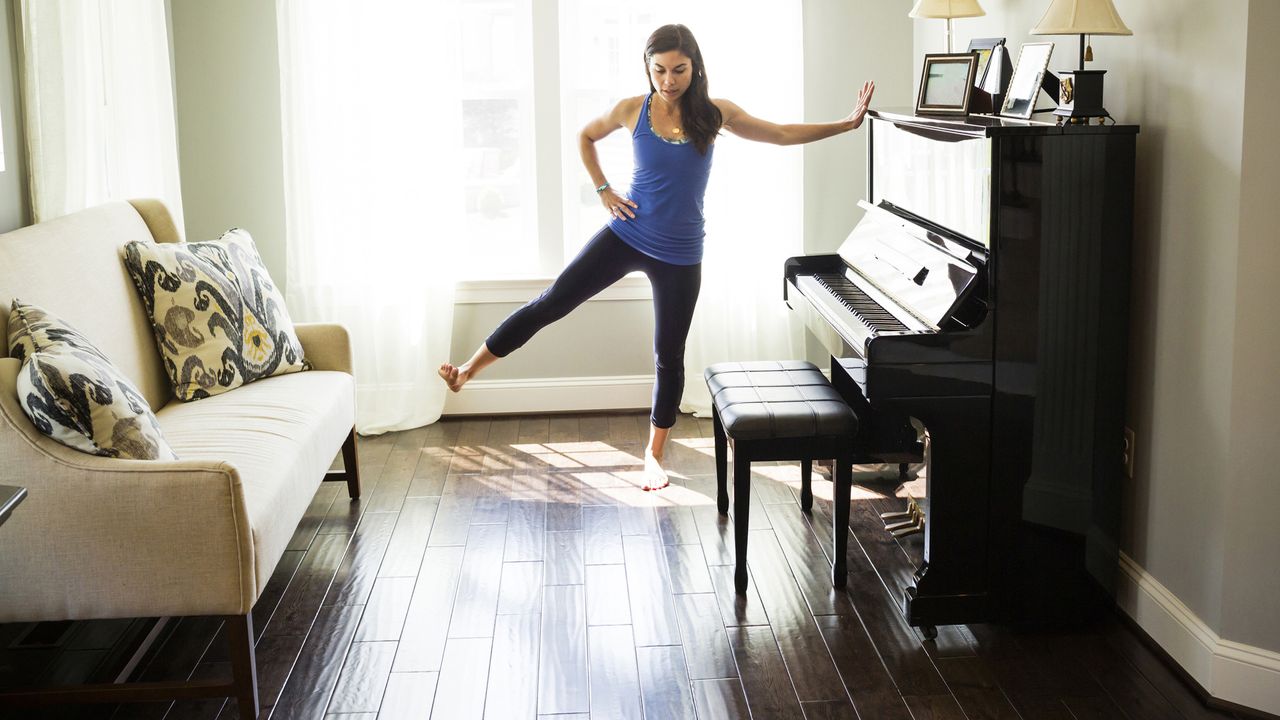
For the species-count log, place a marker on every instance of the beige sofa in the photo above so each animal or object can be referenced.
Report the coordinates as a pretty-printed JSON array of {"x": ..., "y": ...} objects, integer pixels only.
[{"x": 106, "y": 538}]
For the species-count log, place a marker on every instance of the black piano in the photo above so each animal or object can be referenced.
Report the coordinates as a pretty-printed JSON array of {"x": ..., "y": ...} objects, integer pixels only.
[{"x": 983, "y": 298}]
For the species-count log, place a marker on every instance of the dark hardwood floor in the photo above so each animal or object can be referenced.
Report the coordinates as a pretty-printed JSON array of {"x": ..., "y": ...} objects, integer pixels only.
[{"x": 512, "y": 568}]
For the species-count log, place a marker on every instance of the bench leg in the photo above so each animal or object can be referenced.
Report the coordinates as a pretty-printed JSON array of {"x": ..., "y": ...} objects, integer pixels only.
[
  {"x": 840, "y": 519},
  {"x": 806, "y": 485},
  {"x": 722, "y": 453},
  {"x": 350, "y": 472},
  {"x": 741, "y": 513},
  {"x": 244, "y": 670}
]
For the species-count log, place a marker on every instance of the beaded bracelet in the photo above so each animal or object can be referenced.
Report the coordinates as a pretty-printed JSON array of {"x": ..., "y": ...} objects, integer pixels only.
[{"x": 602, "y": 188}]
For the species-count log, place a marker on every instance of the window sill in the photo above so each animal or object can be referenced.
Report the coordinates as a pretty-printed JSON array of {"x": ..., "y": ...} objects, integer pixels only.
[{"x": 484, "y": 292}]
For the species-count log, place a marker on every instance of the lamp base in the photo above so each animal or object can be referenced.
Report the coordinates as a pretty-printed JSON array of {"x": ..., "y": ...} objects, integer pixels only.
[{"x": 1080, "y": 96}]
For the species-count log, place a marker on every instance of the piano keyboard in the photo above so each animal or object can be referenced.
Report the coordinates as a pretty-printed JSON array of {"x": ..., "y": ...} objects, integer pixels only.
[{"x": 858, "y": 302}]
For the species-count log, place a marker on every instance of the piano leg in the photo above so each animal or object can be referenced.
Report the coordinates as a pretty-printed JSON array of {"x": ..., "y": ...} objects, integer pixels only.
[
  {"x": 806, "y": 485},
  {"x": 741, "y": 510},
  {"x": 722, "y": 452},
  {"x": 840, "y": 518}
]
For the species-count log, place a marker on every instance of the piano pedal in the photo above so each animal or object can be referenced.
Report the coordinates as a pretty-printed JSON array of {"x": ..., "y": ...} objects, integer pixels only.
[
  {"x": 895, "y": 527},
  {"x": 887, "y": 517},
  {"x": 913, "y": 529}
]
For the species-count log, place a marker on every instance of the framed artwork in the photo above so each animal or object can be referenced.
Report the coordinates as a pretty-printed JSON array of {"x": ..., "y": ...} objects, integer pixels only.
[
  {"x": 988, "y": 49},
  {"x": 1024, "y": 86},
  {"x": 946, "y": 84}
]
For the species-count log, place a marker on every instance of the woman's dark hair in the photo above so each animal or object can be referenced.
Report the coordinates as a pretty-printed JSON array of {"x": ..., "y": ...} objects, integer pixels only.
[{"x": 701, "y": 117}]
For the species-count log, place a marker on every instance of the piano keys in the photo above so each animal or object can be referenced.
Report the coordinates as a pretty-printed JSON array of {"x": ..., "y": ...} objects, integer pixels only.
[{"x": 984, "y": 296}]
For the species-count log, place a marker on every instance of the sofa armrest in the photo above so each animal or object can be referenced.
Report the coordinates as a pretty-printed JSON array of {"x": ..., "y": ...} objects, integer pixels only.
[
  {"x": 327, "y": 346},
  {"x": 101, "y": 537}
]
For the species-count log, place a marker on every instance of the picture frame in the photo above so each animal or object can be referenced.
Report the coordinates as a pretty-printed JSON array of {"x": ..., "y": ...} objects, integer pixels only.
[
  {"x": 946, "y": 84},
  {"x": 1024, "y": 85},
  {"x": 988, "y": 49}
]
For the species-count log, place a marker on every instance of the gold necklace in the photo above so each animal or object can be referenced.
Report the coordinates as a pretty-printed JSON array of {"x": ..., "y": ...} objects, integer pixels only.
[{"x": 674, "y": 130}]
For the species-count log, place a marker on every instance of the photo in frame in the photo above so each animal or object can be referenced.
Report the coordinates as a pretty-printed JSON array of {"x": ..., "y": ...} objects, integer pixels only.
[
  {"x": 1024, "y": 86},
  {"x": 990, "y": 54},
  {"x": 946, "y": 84}
]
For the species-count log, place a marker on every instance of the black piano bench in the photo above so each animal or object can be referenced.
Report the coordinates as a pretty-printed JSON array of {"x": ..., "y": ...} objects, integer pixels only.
[{"x": 780, "y": 410}]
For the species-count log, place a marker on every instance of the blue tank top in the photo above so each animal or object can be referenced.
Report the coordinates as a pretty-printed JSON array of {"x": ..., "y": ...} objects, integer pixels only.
[{"x": 667, "y": 187}]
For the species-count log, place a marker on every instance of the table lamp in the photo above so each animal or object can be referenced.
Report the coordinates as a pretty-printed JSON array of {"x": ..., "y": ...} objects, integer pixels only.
[
  {"x": 946, "y": 9},
  {"x": 1080, "y": 91}
]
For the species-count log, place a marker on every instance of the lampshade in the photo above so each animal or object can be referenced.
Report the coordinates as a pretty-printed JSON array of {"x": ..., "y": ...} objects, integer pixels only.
[
  {"x": 946, "y": 9},
  {"x": 1080, "y": 17}
]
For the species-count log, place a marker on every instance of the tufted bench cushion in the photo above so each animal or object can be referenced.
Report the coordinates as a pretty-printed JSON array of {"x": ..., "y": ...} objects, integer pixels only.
[{"x": 777, "y": 399}]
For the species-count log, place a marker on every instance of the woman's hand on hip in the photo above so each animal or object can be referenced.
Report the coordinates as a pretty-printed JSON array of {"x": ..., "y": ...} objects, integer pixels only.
[{"x": 618, "y": 206}]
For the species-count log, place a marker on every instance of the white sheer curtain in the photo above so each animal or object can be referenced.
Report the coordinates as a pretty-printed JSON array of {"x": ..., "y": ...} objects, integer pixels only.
[
  {"x": 372, "y": 150},
  {"x": 754, "y": 203},
  {"x": 98, "y": 97}
]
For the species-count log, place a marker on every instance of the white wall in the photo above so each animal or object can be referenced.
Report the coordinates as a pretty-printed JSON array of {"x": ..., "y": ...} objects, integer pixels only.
[{"x": 1203, "y": 390}]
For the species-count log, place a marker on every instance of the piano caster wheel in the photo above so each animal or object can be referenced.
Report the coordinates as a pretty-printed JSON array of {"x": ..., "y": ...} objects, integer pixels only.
[{"x": 930, "y": 632}]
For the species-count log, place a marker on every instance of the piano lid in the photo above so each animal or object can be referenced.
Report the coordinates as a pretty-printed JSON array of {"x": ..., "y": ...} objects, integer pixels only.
[{"x": 916, "y": 269}]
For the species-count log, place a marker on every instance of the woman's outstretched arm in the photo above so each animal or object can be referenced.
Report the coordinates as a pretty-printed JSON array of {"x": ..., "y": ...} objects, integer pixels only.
[{"x": 744, "y": 125}]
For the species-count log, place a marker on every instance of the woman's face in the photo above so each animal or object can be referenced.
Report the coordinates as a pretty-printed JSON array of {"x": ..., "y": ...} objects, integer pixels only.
[{"x": 670, "y": 72}]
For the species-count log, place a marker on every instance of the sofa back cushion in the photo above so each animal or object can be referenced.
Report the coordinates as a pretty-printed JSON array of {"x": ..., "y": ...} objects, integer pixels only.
[
  {"x": 70, "y": 266},
  {"x": 219, "y": 320},
  {"x": 72, "y": 392}
]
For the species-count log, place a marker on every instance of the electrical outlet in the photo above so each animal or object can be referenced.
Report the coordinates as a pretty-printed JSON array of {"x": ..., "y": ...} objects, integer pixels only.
[{"x": 1130, "y": 449}]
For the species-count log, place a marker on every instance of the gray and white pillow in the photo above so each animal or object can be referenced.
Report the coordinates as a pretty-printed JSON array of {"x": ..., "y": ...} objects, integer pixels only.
[
  {"x": 73, "y": 393},
  {"x": 218, "y": 319}
]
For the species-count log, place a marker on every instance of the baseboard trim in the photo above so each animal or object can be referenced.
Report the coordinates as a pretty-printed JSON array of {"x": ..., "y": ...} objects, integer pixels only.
[
  {"x": 1235, "y": 675},
  {"x": 545, "y": 395}
]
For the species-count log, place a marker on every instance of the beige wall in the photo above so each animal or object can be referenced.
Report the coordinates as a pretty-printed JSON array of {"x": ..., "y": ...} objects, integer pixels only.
[{"x": 1202, "y": 383}]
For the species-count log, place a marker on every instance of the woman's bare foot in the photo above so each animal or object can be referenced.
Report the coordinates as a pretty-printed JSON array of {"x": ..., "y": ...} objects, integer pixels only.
[
  {"x": 655, "y": 477},
  {"x": 453, "y": 376}
]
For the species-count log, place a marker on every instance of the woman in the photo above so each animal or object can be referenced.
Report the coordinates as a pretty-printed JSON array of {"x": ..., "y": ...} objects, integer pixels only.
[{"x": 658, "y": 229}]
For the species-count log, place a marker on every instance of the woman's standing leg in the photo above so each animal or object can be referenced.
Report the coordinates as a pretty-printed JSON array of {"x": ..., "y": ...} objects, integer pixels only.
[
  {"x": 675, "y": 294},
  {"x": 603, "y": 261}
]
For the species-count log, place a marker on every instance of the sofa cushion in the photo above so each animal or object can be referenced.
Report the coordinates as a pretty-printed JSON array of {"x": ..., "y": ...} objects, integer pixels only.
[
  {"x": 219, "y": 320},
  {"x": 73, "y": 393},
  {"x": 280, "y": 434}
]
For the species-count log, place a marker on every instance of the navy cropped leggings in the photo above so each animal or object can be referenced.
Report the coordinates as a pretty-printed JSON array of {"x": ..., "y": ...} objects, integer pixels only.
[{"x": 604, "y": 261}]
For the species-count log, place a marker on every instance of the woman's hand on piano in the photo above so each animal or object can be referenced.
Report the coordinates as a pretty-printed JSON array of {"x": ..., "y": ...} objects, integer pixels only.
[
  {"x": 617, "y": 205},
  {"x": 864, "y": 102}
]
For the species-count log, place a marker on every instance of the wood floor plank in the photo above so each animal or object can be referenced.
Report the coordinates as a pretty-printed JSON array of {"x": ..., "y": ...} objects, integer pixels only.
[
  {"x": 460, "y": 691},
  {"x": 516, "y": 640},
  {"x": 453, "y": 520},
  {"x": 409, "y": 696},
  {"x": 1130, "y": 691},
  {"x": 315, "y": 513},
  {"x": 384, "y": 614},
  {"x": 614, "y": 678},
  {"x": 564, "y": 559},
  {"x": 764, "y": 674},
  {"x": 808, "y": 561},
  {"x": 664, "y": 682},
  {"x": 364, "y": 676},
  {"x": 974, "y": 687},
  {"x": 687, "y": 568},
  {"x": 311, "y": 683},
  {"x": 298, "y": 606},
  {"x": 534, "y": 429},
  {"x": 526, "y": 530},
  {"x": 607, "y": 595},
  {"x": 812, "y": 670},
  {"x": 563, "y": 685},
  {"x": 359, "y": 569},
  {"x": 677, "y": 526},
  {"x": 829, "y": 710},
  {"x": 476, "y": 604},
  {"x": 708, "y": 655},
  {"x": 1125, "y": 643},
  {"x": 521, "y": 590},
  {"x": 426, "y": 625},
  {"x": 653, "y": 614},
  {"x": 720, "y": 699},
  {"x": 563, "y": 428},
  {"x": 899, "y": 647},
  {"x": 715, "y": 533},
  {"x": 430, "y": 473},
  {"x": 403, "y": 555},
  {"x": 602, "y": 535},
  {"x": 935, "y": 707},
  {"x": 868, "y": 683},
  {"x": 564, "y": 516},
  {"x": 737, "y": 609},
  {"x": 638, "y": 519}
]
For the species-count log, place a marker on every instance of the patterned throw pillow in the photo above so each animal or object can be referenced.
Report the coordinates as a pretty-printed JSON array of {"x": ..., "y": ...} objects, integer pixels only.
[
  {"x": 218, "y": 319},
  {"x": 73, "y": 394}
]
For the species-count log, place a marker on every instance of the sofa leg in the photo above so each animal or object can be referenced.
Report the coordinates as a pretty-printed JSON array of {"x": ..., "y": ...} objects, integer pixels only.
[
  {"x": 350, "y": 467},
  {"x": 244, "y": 670}
]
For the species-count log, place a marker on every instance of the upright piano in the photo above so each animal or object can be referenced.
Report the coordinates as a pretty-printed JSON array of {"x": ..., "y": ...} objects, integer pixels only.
[{"x": 984, "y": 297}]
